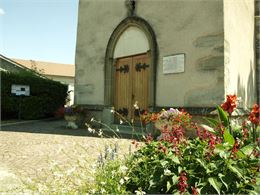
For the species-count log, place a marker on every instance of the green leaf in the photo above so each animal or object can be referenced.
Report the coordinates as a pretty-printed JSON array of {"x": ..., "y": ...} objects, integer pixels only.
[
  {"x": 219, "y": 148},
  {"x": 222, "y": 150},
  {"x": 164, "y": 163},
  {"x": 175, "y": 159},
  {"x": 235, "y": 170},
  {"x": 248, "y": 149},
  {"x": 168, "y": 186},
  {"x": 174, "y": 180},
  {"x": 151, "y": 183},
  {"x": 211, "y": 121},
  {"x": 214, "y": 182},
  {"x": 221, "y": 176},
  {"x": 224, "y": 154},
  {"x": 240, "y": 154},
  {"x": 179, "y": 169},
  {"x": 202, "y": 163},
  {"x": 228, "y": 138},
  {"x": 208, "y": 128},
  {"x": 222, "y": 116}
]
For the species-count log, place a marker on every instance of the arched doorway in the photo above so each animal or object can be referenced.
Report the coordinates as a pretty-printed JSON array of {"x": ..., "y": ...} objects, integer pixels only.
[{"x": 130, "y": 66}]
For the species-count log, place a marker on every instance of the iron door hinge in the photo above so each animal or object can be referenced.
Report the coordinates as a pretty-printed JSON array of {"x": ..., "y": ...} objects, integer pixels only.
[
  {"x": 140, "y": 66},
  {"x": 124, "y": 69},
  {"x": 123, "y": 111}
]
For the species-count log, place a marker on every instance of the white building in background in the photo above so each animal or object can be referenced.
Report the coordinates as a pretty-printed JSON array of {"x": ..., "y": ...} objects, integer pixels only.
[{"x": 63, "y": 73}]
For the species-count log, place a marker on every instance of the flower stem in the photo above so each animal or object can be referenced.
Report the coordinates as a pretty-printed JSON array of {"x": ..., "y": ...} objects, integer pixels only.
[
  {"x": 254, "y": 133},
  {"x": 229, "y": 124}
]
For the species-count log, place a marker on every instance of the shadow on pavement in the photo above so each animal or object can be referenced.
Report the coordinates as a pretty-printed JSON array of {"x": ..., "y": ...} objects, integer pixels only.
[{"x": 54, "y": 126}]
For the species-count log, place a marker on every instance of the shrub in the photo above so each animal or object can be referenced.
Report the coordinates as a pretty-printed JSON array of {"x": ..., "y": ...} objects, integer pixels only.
[
  {"x": 111, "y": 178},
  {"x": 222, "y": 159},
  {"x": 46, "y": 96}
]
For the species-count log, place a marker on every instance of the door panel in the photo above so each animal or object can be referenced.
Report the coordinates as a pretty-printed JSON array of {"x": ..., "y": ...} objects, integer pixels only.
[
  {"x": 141, "y": 81},
  {"x": 123, "y": 86},
  {"x": 132, "y": 84}
]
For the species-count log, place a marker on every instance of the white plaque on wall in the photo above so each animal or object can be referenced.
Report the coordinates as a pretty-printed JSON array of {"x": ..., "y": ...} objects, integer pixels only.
[{"x": 173, "y": 64}]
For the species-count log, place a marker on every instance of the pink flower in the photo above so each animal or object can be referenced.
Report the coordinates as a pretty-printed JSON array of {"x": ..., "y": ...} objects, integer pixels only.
[{"x": 182, "y": 185}]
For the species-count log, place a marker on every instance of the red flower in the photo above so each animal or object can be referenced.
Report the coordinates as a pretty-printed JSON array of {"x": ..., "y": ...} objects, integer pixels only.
[
  {"x": 254, "y": 115},
  {"x": 212, "y": 142},
  {"x": 194, "y": 191},
  {"x": 230, "y": 103},
  {"x": 244, "y": 131},
  {"x": 154, "y": 117},
  {"x": 135, "y": 143},
  {"x": 149, "y": 138},
  {"x": 235, "y": 149},
  {"x": 182, "y": 185},
  {"x": 163, "y": 148}
]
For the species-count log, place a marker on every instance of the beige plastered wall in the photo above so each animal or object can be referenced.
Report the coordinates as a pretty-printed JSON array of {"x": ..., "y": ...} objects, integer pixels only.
[
  {"x": 195, "y": 28},
  {"x": 96, "y": 21},
  {"x": 239, "y": 50}
]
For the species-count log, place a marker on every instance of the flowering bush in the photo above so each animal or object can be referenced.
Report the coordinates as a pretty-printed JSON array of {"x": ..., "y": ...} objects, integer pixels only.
[
  {"x": 220, "y": 160},
  {"x": 172, "y": 123}
]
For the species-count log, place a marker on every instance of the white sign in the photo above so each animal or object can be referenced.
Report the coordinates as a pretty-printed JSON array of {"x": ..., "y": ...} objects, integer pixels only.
[
  {"x": 173, "y": 64},
  {"x": 20, "y": 90}
]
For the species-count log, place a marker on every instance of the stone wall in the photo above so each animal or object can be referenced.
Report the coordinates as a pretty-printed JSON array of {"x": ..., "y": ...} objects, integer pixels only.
[{"x": 96, "y": 22}]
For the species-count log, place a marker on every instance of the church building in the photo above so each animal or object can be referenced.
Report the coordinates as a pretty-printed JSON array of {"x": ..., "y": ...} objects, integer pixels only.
[{"x": 164, "y": 53}]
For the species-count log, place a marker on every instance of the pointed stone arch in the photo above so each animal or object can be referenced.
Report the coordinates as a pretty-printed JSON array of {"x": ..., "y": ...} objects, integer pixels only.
[{"x": 109, "y": 60}]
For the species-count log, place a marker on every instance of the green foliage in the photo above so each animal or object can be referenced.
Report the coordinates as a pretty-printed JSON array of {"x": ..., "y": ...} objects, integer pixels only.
[
  {"x": 46, "y": 96},
  {"x": 215, "y": 162},
  {"x": 223, "y": 116},
  {"x": 110, "y": 179}
]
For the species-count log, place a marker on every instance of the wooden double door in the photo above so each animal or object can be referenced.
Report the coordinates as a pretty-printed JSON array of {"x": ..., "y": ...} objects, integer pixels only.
[{"x": 132, "y": 85}]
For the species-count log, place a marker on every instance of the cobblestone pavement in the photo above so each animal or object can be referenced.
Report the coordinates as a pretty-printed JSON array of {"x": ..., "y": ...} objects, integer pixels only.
[{"x": 26, "y": 149}]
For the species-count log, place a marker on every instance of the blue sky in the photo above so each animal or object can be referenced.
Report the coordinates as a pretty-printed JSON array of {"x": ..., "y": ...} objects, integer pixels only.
[{"x": 39, "y": 29}]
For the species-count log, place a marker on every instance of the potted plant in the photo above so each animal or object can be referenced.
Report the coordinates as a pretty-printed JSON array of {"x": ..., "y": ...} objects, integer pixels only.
[{"x": 72, "y": 114}]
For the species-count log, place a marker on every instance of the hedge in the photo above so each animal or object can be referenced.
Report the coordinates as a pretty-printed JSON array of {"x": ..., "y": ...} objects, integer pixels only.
[{"x": 46, "y": 96}]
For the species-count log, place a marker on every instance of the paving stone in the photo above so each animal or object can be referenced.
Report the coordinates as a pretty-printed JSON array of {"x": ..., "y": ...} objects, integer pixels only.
[{"x": 26, "y": 148}]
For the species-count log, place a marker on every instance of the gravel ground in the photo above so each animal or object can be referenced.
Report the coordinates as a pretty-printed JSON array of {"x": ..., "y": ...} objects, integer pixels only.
[{"x": 27, "y": 149}]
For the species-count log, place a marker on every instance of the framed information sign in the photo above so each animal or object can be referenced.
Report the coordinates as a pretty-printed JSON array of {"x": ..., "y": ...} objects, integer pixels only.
[
  {"x": 173, "y": 64},
  {"x": 20, "y": 90}
]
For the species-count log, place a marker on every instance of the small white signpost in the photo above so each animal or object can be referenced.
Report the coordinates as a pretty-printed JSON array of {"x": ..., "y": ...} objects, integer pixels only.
[{"x": 20, "y": 90}]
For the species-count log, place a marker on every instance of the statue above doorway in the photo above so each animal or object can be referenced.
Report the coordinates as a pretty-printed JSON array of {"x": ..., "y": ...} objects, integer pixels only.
[{"x": 130, "y": 4}]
